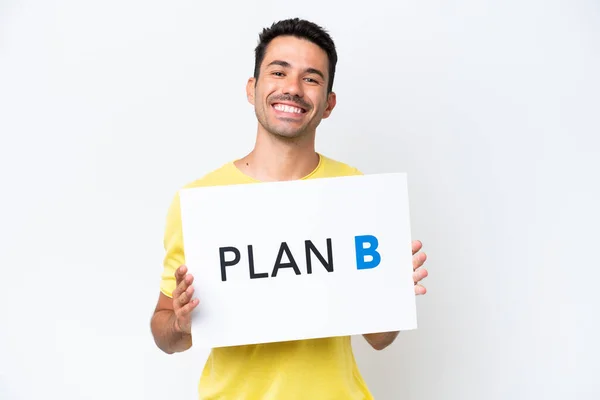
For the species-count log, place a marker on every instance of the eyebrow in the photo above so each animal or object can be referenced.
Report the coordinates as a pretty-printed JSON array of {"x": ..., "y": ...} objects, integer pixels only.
[{"x": 286, "y": 64}]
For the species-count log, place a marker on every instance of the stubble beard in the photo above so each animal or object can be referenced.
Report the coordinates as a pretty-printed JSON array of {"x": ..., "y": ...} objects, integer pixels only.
[{"x": 287, "y": 133}]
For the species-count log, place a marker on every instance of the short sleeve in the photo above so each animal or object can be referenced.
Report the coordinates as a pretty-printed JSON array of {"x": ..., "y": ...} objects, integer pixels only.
[{"x": 173, "y": 243}]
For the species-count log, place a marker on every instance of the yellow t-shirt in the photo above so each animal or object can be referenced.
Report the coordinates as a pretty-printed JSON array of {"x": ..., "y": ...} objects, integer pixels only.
[{"x": 317, "y": 369}]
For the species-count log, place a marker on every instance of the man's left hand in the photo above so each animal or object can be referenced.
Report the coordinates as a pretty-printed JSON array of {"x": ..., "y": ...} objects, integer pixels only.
[{"x": 419, "y": 271}]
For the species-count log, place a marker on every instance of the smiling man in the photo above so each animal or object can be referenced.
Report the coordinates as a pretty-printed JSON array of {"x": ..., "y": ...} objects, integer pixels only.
[{"x": 292, "y": 92}]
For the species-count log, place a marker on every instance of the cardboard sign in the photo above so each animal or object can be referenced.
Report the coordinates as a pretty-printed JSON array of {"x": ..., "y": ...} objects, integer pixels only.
[{"x": 301, "y": 259}]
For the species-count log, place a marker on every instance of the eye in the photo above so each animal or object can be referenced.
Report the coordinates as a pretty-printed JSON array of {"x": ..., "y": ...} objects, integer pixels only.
[
  {"x": 277, "y": 73},
  {"x": 311, "y": 80}
]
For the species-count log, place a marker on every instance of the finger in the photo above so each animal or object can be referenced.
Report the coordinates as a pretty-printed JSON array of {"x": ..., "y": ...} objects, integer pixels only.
[
  {"x": 416, "y": 246},
  {"x": 185, "y": 297},
  {"x": 182, "y": 286},
  {"x": 418, "y": 260},
  {"x": 189, "y": 307},
  {"x": 420, "y": 290},
  {"x": 419, "y": 275},
  {"x": 180, "y": 273}
]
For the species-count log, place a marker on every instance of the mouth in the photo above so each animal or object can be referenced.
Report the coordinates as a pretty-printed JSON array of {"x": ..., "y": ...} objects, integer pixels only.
[{"x": 288, "y": 109}]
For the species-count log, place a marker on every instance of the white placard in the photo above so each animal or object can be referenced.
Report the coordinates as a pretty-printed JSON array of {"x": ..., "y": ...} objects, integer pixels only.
[{"x": 247, "y": 247}]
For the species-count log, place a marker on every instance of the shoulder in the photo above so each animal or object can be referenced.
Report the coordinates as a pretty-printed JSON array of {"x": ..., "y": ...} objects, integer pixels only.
[{"x": 333, "y": 167}]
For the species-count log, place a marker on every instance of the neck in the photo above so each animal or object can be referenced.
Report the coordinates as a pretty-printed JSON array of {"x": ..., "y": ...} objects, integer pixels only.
[{"x": 275, "y": 158}]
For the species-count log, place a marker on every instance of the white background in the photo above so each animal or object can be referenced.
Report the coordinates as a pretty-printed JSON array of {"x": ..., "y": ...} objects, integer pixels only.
[{"x": 492, "y": 108}]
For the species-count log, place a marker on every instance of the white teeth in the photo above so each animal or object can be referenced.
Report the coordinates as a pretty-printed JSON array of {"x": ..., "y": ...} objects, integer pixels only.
[{"x": 289, "y": 109}]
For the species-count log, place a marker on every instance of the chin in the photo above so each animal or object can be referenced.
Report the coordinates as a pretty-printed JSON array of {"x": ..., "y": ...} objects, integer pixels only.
[
  {"x": 286, "y": 131},
  {"x": 288, "y": 134}
]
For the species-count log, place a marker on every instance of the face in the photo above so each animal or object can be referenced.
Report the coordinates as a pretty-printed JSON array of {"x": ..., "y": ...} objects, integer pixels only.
[{"x": 290, "y": 97}]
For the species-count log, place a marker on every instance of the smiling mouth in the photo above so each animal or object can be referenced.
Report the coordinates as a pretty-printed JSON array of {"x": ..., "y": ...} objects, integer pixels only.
[{"x": 288, "y": 108}]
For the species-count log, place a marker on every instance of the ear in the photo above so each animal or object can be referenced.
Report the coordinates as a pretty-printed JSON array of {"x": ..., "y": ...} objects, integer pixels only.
[
  {"x": 331, "y": 102},
  {"x": 250, "y": 86}
]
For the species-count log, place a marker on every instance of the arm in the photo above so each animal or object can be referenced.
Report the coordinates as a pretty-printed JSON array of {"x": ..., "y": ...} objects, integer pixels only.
[
  {"x": 171, "y": 321},
  {"x": 166, "y": 335},
  {"x": 380, "y": 341}
]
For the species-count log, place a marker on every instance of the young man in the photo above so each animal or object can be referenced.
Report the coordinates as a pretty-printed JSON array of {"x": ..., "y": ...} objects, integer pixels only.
[{"x": 291, "y": 91}]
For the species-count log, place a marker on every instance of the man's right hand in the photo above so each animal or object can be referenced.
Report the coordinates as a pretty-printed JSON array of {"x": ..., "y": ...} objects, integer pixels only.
[{"x": 183, "y": 303}]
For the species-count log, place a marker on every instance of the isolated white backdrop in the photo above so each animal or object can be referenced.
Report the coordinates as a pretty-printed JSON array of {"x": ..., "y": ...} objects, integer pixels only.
[{"x": 107, "y": 108}]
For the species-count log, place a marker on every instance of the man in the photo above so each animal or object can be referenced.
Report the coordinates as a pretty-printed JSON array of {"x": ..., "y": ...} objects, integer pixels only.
[{"x": 291, "y": 92}]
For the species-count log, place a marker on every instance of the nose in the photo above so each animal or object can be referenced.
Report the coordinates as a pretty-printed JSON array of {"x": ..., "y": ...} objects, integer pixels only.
[{"x": 293, "y": 86}]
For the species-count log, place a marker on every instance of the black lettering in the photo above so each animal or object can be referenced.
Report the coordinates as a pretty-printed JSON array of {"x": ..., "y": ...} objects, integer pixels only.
[
  {"x": 222, "y": 251},
  {"x": 309, "y": 246},
  {"x": 254, "y": 275},
  {"x": 292, "y": 264}
]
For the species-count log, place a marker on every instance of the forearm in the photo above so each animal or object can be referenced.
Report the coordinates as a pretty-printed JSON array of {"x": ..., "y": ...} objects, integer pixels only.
[
  {"x": 380, "y": 341},
  {"x": 166, "y": 337}
]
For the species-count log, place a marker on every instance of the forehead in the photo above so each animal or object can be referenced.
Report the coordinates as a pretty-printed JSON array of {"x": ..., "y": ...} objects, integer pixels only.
[{"x": 300, "y": 53}]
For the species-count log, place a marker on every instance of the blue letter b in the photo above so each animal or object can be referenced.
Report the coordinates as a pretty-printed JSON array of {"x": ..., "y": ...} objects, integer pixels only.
[{"x": 362, "y": 252}]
